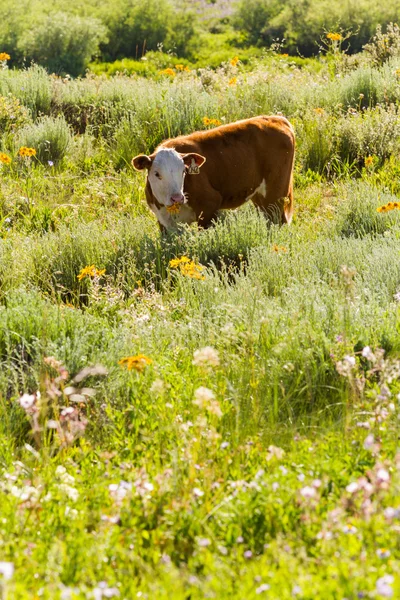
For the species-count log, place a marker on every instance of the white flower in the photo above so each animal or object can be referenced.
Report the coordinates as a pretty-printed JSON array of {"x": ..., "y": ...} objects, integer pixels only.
[
  {"x": 275, "y": 452},
  {"x": 262, "y": 588},
  {"x": 383, "y": 553},
  {"x": 198, "y": 492},
  {"x": 6, "y": 570},
  {"x": 69, "y": 491},
  {"x": 26, "y": 401},
  {"x": 384, "y": 586},
  {"x": 368, "y": 354},
  {"x": 203, "y": 396},
  {"x": 206, "y": 357},
  {"x": 349, "y": 528},
  {"x": 275, "y": 486},
  {"x": 203, "y": 542},
  {"x": 308, "y": 492},
  {"x": 353, "y": 487},
  {"x": 369, "y": 442},
  {"x": 25, "y": 493},
  {"x": 64, "y": 476},
  {"x": 382, "y": 476},
  {"x": 350, "y": 360},
  {"x": 157, "y": 387}
]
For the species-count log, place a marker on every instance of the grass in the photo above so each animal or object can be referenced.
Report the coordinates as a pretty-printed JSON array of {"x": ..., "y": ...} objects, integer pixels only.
[{"x": 251, "y": 449}]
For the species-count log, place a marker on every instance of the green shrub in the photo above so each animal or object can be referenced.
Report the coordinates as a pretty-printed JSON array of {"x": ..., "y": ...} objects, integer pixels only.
[
  {"x": 64, "y": 43},
  {"x": 32, "y": 87},
  {"x": 51, "y": 137}
]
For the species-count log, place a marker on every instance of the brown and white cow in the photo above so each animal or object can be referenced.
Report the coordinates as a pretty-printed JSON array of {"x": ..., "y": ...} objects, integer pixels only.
[{"x": 191, "y": 177}]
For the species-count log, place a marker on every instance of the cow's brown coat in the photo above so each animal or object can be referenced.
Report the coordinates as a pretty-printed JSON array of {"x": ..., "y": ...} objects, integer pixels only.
[{"x": 239, "y": 157}]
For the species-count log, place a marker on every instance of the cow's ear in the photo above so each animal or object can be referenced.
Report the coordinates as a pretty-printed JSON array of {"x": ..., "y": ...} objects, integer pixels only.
[
  {"x": 141, "y": 162},
  {"x": 193, "y": 162}
]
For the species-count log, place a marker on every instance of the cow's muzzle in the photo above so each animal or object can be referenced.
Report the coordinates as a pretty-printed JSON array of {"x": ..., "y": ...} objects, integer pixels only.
[{"x": 177, "y": 198}]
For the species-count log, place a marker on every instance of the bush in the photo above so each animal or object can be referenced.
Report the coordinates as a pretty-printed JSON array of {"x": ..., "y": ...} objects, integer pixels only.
[
  {"x": 51, "y": 138},
  {"x": 64, "y": 43}
]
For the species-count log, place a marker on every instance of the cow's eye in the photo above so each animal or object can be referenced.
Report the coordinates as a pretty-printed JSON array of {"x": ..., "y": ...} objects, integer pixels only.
[{"x": 157, "y": 175}]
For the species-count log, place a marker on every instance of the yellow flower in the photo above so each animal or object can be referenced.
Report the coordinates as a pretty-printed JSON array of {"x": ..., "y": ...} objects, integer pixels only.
[
  {"x": 335, "y": 37},
  {"x": 319, "y": 111},
  {"x": 4, "y": 56},
  {"x": 208, "y": 121},
  {"x": 276, "y": 248},
  {"x": 396, "y": 204},
  {"x": 4, "y": 158},
  {"x": 179, "y": 67},
  {"x": 90, "y": 271},
  {"x": 233, "y": 81},
  {"x": 27, "y": 152},
  {"x": 379, "y": 209},
  {"x": 187, "y": 267},
  {"x": 397, "y": 72},
  {"x": 187, "y": 69},
  {"x": 390, "y": 205},
  {"x": 168, "y": 71},
  {"x": 369, "y": 161},
  {"x": 234, "y": 61},
  {"x": 174, "y": 208},
  {"x": 138, "y": 362},
  {"x": 284, "y": 55}
]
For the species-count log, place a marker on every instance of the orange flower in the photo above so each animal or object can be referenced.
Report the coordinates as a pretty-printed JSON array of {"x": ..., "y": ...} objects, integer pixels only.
[
  {"x": 27, "y": 152},
  {"x": 335, "y": 37},
  {"x": 174, "y": 208},
  {"x": 90, "y": 271},
  {"x": 168, "y": 71},
  {"x": 369, "y": 161},
  {"x": 233, "y": 81},
  {"x": 4, "y": 158},
  {"x": 4, "y": 56},
  {"x": 138, "y": 362},
  {"x": 319, "y": 111},
  {"x": 234, "y": 61},
  {"x": 208, "y": 121},
  {"x": 276, "y": 248}
]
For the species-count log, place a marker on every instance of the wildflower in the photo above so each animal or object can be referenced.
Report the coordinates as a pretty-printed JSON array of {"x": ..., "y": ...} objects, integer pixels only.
[
  {"x": 275, "y": 452},
  {"x": 50, "y": 163},
  {"x": 384, "y": 586},
  {"x": 319, "y": 111},
  {"x": 382, "y": 476},
  {"x": 248, "y": 554},
  {"x": 368, "y": 354},
  {"x": 308, "y": 492},
  {"x": 334, "y": 37},
  {"x": 27, "y": 152},
  {"x": 369, "y": 442},
  {"x": 27, "y": 401},
  {"x": 369, "y": 161},
  {"x": 6, "y": 568},
  {"x": 276, "y": 248},
  {"x": 187, "y": 267},
  {"x": 157, "y": 387},
  {"x": 4, "y": 56},
  {"x": 198, "y": 492},
  {"x": 69, "y": 491},
  {"x": 233, "y": 81},
  {"x": 234, "y": 61},
  {"x": 203, "y": 542},
  {"x": 397, "y": 72},
  {"x": 168, "y": 71},
  {"x": 208, "y": 121},
  {"x": 383, "y": 553},
  {"x": 138, "y": 362},
  {"x": 90, "y": 271},
  {"x": 353, "y": 487},
  {"x": 4, "y": 158},
  {"x": 179, "y": 67},
  {"x": 206, "y": 357},
  {"x": 174, "y": 208},
  {"x": 187, "y": 69},
  {"x": 264, "y": 587},
  {"x": 285, "y": 55},
  {"x": 349, "y": 528}
]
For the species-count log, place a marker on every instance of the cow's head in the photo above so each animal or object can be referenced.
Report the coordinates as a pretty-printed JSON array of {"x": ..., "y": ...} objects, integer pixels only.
[{"x": 166, "y": 172}]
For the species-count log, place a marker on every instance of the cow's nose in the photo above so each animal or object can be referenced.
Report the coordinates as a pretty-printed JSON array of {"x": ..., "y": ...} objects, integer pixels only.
[{"x": 178, "y": 198}]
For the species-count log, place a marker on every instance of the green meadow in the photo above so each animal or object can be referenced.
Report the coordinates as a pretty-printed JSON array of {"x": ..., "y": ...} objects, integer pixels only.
[{"x": 212, "y": 413}]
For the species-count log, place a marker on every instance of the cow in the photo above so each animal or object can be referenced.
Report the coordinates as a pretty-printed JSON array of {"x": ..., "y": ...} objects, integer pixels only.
[{"x": 192, "y": 177}]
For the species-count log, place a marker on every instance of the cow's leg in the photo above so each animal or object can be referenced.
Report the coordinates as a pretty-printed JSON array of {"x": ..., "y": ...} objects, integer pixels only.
[
  {"x": 211, "y": 202},
  {"x": 277, "y": 202}
]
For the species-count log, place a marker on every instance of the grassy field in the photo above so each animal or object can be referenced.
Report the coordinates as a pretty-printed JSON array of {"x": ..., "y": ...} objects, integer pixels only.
[{"x": 223, "y": 430}]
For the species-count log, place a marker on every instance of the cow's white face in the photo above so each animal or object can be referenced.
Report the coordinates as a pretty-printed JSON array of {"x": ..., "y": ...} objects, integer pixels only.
[
  {"x": 166, "y": 176},
  {"x": 166, "y": 173}
]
